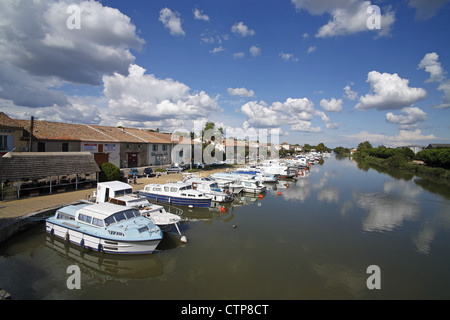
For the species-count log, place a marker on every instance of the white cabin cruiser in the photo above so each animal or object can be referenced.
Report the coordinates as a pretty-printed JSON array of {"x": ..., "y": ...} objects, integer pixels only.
[
  {"x": 105, "y": 227},
  {"x": 121, "y": 193},
  {"x": 210, "y": 188}
]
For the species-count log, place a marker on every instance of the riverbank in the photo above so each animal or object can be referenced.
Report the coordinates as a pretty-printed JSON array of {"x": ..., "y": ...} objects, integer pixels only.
[
  {"x": 406, "y": 167},
  {"x": 18, "y": 215}
]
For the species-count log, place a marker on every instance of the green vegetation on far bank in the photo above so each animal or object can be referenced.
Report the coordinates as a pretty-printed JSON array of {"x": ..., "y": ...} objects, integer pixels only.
[{"x": 437, "y": 161}]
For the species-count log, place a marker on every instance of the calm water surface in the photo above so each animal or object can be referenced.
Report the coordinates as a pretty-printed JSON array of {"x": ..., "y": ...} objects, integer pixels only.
[{"x": 315, "y": 240}]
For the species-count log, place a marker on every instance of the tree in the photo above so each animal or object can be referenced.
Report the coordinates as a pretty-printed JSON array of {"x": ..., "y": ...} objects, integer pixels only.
[
  {"x": 364, "y": 146},
  {"x": 109, "y": 172}
]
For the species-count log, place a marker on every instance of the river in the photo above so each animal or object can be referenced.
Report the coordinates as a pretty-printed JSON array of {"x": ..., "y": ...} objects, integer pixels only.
[{"x": 313, "y": 239}]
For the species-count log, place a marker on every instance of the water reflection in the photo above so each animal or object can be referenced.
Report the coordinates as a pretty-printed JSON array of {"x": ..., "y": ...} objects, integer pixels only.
[
  {"x": 106, "y": 267},
  {"x": 389, "y": 210}
]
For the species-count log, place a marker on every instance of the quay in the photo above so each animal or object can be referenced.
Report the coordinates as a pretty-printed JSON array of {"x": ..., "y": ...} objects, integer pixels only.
[{"x": 17, "y": 215}]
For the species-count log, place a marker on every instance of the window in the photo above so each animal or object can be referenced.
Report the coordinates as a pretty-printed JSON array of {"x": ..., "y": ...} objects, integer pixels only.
[
  {"x": 166, "y": 189},
  {"x": 164, "y": 147},
  {"x": 84, "y": 218},
  {"x": 4, "y": 143},
  {"x": 65, "y": 146},
  {"x": 109, "y": 220},
  {"x": 173, "y": 189},
  {"x": 139, "y": 146},
  {"x": 98, "y": 222},
  {"x": 119, "y": 216},
  {"x": 41, "y": 146},
  {"x": 155, "y": 147}
]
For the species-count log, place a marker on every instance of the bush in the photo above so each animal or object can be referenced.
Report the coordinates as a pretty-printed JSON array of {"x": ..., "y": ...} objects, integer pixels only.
[
  {"x": 109, "y": 172},
  {"x": 435, "y": 157}
]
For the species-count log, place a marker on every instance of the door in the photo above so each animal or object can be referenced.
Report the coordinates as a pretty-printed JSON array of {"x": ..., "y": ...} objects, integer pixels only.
[{"x": 132, "y": 160}]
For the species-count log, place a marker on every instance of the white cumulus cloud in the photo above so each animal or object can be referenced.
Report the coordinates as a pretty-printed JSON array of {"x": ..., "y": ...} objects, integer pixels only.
[
  {"x": 198, "y": 15},
  {"x": 332, "y": 105},
  {"x": 347, "y": 17},
  {"x": 431, "y": 65},
  {"x": 409, "y": 118},
  {"x": 241, "y": 29},
  {"x": 171, "y": 20},
  {"x": 154, "y": 99},
  {"x": 390, "y": 92},
  {"x": 242, "y": 92},
  {"x": 255, "y": 51}
]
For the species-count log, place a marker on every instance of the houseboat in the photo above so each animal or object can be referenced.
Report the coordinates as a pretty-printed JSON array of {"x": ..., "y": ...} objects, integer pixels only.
[
  {"x": 121, "y": 193},
  {"x": 210, "y": 188},
  {"x": 178, "y": 193},
  {"x": 105, "y": 227}
]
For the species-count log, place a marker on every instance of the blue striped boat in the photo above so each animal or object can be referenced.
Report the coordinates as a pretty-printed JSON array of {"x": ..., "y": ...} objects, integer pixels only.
[{"x": 176, "y": 193}]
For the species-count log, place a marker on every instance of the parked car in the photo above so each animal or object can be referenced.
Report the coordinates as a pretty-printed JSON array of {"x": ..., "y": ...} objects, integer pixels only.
[
  {"x": 149, "y": 172},
  {"x": 133, "y": 172},
  {"x": 175, "y": 168}
]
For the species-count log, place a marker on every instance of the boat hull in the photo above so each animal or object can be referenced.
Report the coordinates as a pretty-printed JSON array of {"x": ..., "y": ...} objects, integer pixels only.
[
  {"x": 100, "y": 244},
  {"x": 202, "y": 203}
]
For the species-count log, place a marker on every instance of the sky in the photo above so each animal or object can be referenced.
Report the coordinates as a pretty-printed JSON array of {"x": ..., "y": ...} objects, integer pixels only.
[{"x": 304, "y": 71}]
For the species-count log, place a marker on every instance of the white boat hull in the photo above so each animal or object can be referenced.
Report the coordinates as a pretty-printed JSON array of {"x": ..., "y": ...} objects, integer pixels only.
[{"x": 84, "y": 240}]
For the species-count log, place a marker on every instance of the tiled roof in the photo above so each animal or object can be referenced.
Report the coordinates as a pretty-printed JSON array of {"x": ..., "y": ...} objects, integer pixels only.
[
  {"x": 33, "y": 165},
  {"x": 46, "y": 130},
  {"x": 6, "y": 121}
]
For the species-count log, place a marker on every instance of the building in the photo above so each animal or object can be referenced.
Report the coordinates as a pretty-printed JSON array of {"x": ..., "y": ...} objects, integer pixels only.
[
  {"x": 123, "y": 147},
  {"x": 11, "y": 135},
  {"x": 438, "y": 145},
  {"x": 414, "y": 148}
]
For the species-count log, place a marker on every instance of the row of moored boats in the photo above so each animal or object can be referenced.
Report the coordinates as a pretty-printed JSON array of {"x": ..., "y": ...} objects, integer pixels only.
[{"x": 119, "y": 221}]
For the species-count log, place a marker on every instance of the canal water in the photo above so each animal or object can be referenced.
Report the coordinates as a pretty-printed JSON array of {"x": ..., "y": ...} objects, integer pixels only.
[{"x": 312, "y": 239}]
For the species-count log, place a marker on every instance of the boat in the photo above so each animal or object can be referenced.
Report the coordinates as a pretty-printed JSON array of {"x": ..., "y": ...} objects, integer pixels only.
[
  {"x": 121, "y": 193},
  {"x": 225, "y": 182},
  {"x": 249, "y": 183},
  {"x": 210, "y": 188},
  {"x": 177, "y": 193},
  {"x": 280, "y": 169},
  {"x": 257, "y": 173},
  {"x": 105, "y": 227}
]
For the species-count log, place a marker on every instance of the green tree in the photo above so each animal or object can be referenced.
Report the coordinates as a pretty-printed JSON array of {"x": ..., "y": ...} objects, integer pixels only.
[
  {"x": 364, "y": 146},
  {"x": 109, "y": 172}
]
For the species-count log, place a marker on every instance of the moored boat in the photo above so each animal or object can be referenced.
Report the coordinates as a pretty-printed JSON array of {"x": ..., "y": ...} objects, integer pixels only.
[
  {"x": 211, "y": 189},
  {"x": 175, "y": 193},
  {"x": 105, "y": 227},
  {"x": 122, "y": 194}
]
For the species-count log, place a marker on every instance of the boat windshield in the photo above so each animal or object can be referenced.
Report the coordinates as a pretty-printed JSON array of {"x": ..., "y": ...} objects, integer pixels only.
[
  {"x": 120, "y": 216},
  {"x": 123, "y": 192}
]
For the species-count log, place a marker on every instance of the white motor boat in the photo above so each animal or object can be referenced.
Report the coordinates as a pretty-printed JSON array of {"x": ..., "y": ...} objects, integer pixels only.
[
  {"x": 105, "y": 227},
  {"x": 121, "y": 193}
]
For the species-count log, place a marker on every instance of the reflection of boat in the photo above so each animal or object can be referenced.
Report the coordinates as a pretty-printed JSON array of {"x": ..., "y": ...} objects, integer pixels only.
[
  {"x": 176, "y": 193},
  {"x": 122, "y": 194},
  {"x": 107, "y": 267},
  {"x": 211, "y": 189},
  {"x": 105, "y": 227}
]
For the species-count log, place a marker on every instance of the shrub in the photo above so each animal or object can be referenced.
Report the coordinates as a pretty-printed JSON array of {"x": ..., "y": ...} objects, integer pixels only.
[
  {"x": 435, "y": 157},
  {"x": 109, "y": 172}
]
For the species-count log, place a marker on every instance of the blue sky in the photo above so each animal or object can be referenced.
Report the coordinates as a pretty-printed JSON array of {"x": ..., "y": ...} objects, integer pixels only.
[{"x": 311, "y": 71}]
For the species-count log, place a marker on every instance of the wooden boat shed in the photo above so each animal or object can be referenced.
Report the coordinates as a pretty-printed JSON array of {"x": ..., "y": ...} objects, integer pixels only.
[{"x": 31, "y": 173}]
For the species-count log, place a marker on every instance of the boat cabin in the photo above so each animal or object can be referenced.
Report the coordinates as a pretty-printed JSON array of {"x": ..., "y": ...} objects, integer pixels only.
[{"x": 112, "y": 189}]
